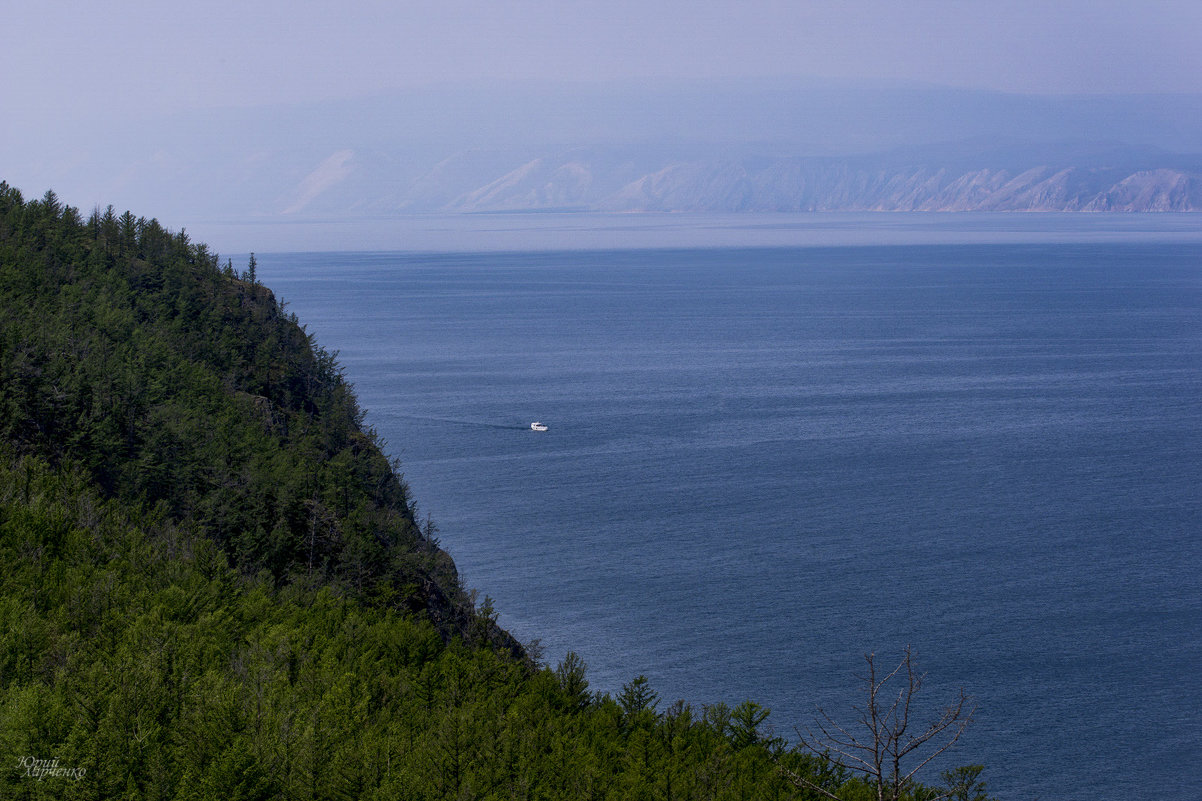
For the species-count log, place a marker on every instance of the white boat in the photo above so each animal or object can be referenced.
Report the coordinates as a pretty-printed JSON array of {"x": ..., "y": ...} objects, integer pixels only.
[{"x": 536, "y": 426}]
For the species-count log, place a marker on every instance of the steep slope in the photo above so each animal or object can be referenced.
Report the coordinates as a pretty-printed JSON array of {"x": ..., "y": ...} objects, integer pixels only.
[{"x": 186, "y": 389}]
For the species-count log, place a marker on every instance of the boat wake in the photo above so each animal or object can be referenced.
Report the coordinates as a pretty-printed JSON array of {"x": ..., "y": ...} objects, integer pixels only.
[{"x": 472, "y": 423}]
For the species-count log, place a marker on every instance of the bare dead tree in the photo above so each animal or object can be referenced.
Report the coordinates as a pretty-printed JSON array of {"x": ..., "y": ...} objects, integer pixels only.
[{"x": 889, "y": 747}]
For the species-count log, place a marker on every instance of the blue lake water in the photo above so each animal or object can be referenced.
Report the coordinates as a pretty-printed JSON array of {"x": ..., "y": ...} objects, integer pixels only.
[{"x": 764, "y": 462}]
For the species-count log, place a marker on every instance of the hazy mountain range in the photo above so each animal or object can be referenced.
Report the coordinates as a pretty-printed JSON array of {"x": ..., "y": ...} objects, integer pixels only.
[
  {"x": 597, "y": 179},
  {"x": 698, "y": 146}
]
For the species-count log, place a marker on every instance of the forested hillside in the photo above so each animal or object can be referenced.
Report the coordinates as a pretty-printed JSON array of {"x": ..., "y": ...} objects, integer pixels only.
[
  {"x": 184, "y": 389},
  {"x": 216, "y": 586}
]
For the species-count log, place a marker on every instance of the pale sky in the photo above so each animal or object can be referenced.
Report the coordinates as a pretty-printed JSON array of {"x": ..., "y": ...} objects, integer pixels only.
[{"x": 130, "y": 57}]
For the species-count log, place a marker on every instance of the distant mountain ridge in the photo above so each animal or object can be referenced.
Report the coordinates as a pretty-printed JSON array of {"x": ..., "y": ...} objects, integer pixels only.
[
  {"x": 794, "y": 186},
  {"x": 1080, "y": 179},
  {"x": 733, "y": 145}
]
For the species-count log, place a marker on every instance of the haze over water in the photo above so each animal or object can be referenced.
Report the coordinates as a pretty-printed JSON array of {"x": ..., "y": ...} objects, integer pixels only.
[{"x": 764, "y": 462}]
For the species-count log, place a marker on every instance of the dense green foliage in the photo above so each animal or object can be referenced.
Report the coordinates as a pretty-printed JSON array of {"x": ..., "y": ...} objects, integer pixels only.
[
  {"x": 177, "y": 385},
  {"x": 215, "y": 586},
  {"x": 136, "y": 652}
]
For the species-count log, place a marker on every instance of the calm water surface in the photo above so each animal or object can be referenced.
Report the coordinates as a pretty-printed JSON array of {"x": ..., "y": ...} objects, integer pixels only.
[{"x": 763, "y": 463}]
